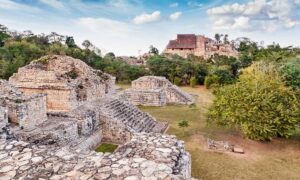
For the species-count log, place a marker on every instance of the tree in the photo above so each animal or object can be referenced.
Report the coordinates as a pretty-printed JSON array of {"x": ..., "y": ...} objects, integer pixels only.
[
  {"x": 70, "y": 42},
  {"x": 259, "y": 104},
  {"x": 153, "y": 50},
  {"x": 225, "y": 40},
  {"x": 217, "y": 37},
  {"x": 110, "y": 56},
  {"x": 87, "y": 44},
  {"x": 183, "y": 124}
]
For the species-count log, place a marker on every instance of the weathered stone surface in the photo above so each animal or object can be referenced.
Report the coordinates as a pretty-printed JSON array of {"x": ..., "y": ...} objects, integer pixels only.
[
  {"x": 68, "y": 82},
  {"x": 156, "y": 91},
  {"x": 50, "y": 162}
]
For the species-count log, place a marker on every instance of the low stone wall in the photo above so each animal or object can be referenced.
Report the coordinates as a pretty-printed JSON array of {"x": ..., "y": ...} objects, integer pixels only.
[{"x": 146, "y": 156}]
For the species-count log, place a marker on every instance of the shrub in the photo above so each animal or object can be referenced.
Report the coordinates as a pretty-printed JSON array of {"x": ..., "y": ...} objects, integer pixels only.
[
  {"x": 193, "y": 82},
  {"x": 210, "y": 80},
  {"x": 259, "y": 104},
  {"x": 177, "y": 81}
]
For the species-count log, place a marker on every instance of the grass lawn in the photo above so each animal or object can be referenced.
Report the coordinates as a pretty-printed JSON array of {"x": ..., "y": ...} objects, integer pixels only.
[
  {"x": 279, "y": 159},
  {"x": 104, "y": 147}
]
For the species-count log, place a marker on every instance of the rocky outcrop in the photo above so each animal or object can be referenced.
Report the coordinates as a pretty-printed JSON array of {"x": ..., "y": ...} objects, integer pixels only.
[
  {"x": 146, "y": 156},
  {"x": 156, "y": 91}
]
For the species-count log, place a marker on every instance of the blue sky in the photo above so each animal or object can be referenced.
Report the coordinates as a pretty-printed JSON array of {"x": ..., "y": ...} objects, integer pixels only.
[{"x": 128, "y": 27}]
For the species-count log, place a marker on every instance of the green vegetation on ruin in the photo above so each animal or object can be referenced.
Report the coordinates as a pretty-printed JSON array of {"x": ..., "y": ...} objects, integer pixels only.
[{"x": 105, "y": 147}]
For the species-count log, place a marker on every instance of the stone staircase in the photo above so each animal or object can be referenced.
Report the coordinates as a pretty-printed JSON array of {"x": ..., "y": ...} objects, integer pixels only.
[{"x": 129, "y": 115}]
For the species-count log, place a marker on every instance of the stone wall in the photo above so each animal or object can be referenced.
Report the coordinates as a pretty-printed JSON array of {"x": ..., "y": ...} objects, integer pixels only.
[
  {"x": 146, "y": 98},
  {"x": 146, "y": 156}
]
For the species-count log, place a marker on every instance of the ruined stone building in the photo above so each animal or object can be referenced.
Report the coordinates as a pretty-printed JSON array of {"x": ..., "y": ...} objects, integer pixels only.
[
  {"x": 198, "y": 45},
  {"x": 156, "y": 91},
  {"x": 55, "y": 111}
]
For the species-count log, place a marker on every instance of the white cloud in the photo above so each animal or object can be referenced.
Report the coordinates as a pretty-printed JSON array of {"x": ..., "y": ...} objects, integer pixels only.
[
  {"x": 147, "y": 18},
  {"x": 256, "y": 15},
  {"x": 175, "y": 16},
  {"x": 53, "y": 3},
  {"x": 174, "y": 5},
  {"x": 11, "y": 5}
]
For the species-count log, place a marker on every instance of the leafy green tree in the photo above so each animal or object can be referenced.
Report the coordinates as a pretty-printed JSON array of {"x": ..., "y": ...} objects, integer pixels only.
[
  {"x": 110, "y": 56},
  {"x": 259, "y": 104},
  {"x": 291, "y": 73},
  {"x": 70, "y": 42},
  {"x": 153, "y": 50},
  {"x": 183, "y": 124}
]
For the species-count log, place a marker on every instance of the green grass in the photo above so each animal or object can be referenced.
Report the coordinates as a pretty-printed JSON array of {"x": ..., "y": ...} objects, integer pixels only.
[
  {"x": 279, "y": 159},
  {"x": 104, "y": 147}
]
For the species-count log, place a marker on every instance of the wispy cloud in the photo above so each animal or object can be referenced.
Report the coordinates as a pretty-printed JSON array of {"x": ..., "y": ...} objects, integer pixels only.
[
  {"x": 11, "y": 5},
  {"x": 175, "y": 16},
  {"x": 147, "y": 18},
  {"x": 53, "y": 3}
]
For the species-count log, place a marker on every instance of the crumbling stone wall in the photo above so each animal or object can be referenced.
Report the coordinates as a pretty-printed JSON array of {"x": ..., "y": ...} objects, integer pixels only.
[
  {"x": 68, "y": 82},
  {"x": 156, "y": 91},
  {"x": 26, "y": 111}
]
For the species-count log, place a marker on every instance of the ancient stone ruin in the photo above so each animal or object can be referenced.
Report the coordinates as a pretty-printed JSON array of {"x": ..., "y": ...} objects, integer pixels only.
[
  {"x": 156, "y": 91},
  {"x": 198, "y": 45},
  {"x": 55, "y": 111}
]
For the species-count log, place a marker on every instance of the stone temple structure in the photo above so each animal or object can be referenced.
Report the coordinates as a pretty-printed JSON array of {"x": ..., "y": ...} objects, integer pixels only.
[
  {"x": 198, "y": 45},
  {"x": 55, "y": 111},
  {"x": 156, "y": 91}
]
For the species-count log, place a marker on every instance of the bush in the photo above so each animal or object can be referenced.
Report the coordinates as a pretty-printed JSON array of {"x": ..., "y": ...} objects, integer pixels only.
[
  {"x": 193, "y": 82},
  {"x": 259, "y": 104},
  {"x": 177, "y": 81},
  {"x": 210, "y": 80}
]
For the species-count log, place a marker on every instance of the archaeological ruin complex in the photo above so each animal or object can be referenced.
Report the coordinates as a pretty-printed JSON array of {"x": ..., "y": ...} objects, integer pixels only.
[
  {"x": 156, "y": 91},
  {"x": 55, "y": 111},
  {"x": 198, "y": 45}
]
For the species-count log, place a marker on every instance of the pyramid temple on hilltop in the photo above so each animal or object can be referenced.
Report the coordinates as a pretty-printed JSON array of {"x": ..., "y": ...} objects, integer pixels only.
[{"x": 199, "y": 45}]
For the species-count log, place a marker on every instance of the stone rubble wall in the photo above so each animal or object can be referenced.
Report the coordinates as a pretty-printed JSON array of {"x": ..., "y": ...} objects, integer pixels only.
[{"x": 146, "y": 156}]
